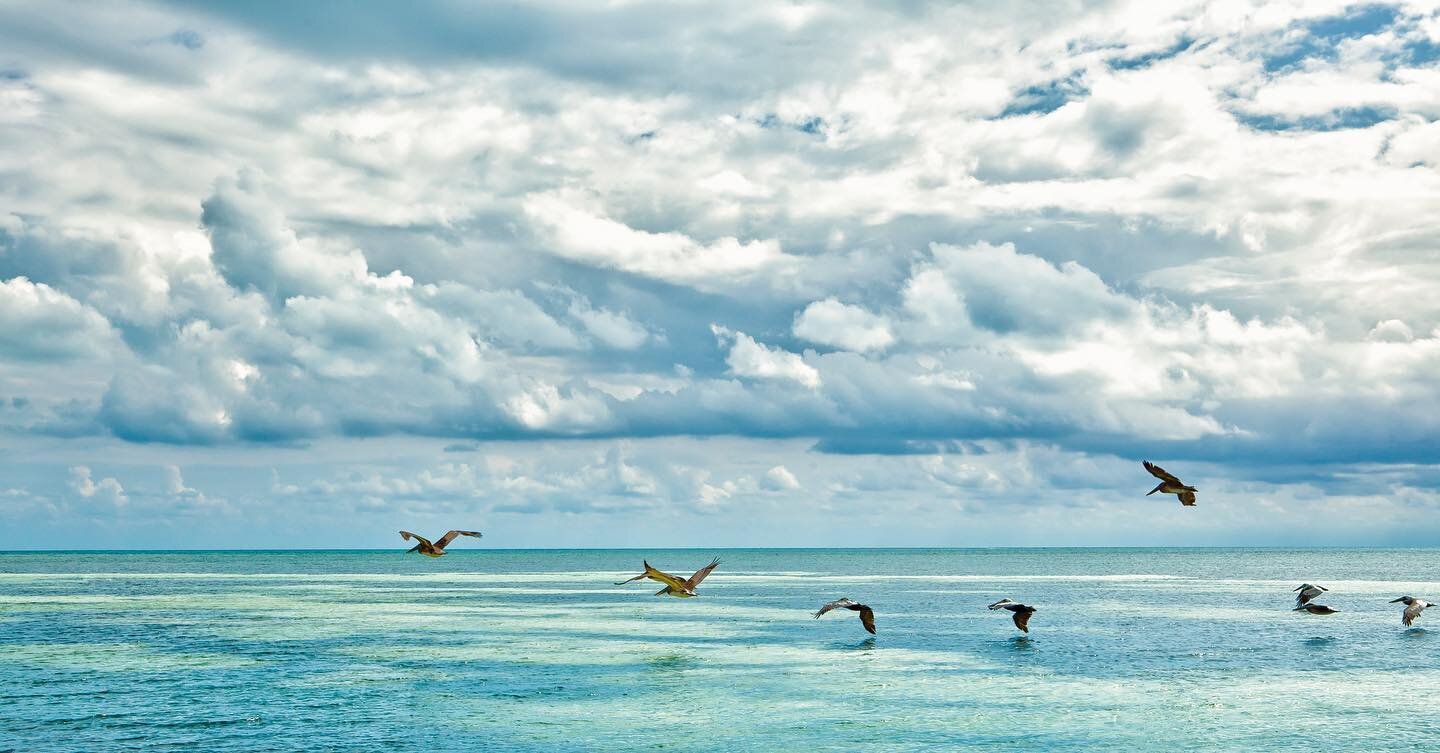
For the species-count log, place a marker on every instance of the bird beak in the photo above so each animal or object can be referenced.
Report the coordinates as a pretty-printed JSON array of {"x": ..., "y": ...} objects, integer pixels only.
[{"x": 1396, "y": 601}]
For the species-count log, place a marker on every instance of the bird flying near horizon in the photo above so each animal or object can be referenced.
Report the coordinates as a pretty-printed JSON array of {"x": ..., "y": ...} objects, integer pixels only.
[
  {"x": 1413, "y": 608},
  {"x": 436, "y": 549},
  {"x": 1020, "y": 613},
  {"x": 1169, "y": 484},
  {"x": 674, "y": 585},
  {"x": 867, "y": 615},
  {"x": 1307, "y": 593}
]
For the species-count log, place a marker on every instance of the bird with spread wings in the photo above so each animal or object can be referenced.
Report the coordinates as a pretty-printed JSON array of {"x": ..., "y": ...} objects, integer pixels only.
[
  {"x": 1020, "y": 613},
  {"x": 674, "y": 585},
  {"x": 1170, "y": 485},
  {"x": 867, "y": 615},
  {"x": 437, "y": 548}
]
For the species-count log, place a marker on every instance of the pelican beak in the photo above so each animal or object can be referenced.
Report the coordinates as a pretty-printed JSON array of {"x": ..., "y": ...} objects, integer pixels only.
[{"x": 1397, "y": 601}]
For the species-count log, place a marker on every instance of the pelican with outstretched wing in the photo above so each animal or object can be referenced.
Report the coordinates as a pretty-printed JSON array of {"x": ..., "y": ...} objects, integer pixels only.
[
  {"x": 1306, "y": 593},
  {"x": 436, "y": 549},
  {"x": 1170, "y": 485},
  {"x": 1019, "y": 612},
  {"x": 1413, "y": 608},
  {"x": 674, "y": 585},
  {"x": 867, "y": 615},
  {"x": 1314, "y": 608}
]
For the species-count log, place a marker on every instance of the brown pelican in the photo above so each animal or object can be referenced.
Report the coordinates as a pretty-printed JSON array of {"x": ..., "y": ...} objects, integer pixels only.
[
  {"x": 1307, "y": 593},
  {"x": 1170, "y": 485},
  {"x": 1413, "y": 608},
  {"x": 674, "y": 586},
  {"x": 867, "y": 615},
  {"x": 1315, "y": 609},
  {"x": 436, "y": 549},
  {"x": 1021, "y": 613}
]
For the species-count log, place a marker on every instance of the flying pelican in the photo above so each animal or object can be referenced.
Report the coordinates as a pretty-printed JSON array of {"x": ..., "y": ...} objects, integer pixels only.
[
  {"x": 1413, "y": 608},
  {"x": 1308, "y": 593},
  {"x": 1315, "y": 609},
  {"x": 1170, "y": 485},
  {"x": 436, "y": 549},
  {"x": 674, "y": 586},
  {"x": 1021, "y": 612},
  {"x": 867, "y": 615}
]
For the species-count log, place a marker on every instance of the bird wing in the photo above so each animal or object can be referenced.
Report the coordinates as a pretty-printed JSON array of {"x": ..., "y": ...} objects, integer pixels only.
[
  {"x": 1022, "y": 618},
  {"x": 449, "y": 536},
  {"x": 1410, "y": 613},
  {"x": 1187, "y": 499},
  {"x": 836, "y": 604},
  {"x": 1160, "y": 473},
  {"x": 867, "y": 617},
  {"x": 407, "y": 536},
  {"x": 666, "y": 578},
  {"x": 701, "y": 573},
  {"x": 1001, "y": 604}
]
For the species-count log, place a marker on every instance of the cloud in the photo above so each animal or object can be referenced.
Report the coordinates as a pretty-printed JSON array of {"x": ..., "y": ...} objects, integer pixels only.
[
  {"x": 44, "y": 324},
  {"x": 830, "y": 322},
  {"x": 105, "y": 490},
  {"x": 748, "y": 358},
  {"x": 1133, "y": 230},
  {"x": 780, "y": 478}
]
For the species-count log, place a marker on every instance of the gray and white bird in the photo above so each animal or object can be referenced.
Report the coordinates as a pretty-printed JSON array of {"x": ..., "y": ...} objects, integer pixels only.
[
  {"x": 867, "y": 615},
  {"x": 1413, "y": 608},
  {"x": 1020, "y": 613},
  {"x": 1307, "y": 593},
  {"x": 1313, "y": 608}
]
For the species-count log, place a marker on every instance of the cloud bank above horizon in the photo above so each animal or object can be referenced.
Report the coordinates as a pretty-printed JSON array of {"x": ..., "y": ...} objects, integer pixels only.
[{"x": 638, "y": 273}]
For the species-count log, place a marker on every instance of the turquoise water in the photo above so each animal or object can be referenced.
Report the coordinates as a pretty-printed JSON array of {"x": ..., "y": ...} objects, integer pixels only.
[{"x": 1146, "y": 650}]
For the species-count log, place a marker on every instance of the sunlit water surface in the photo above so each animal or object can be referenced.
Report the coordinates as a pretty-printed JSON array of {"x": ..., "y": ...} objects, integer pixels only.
[{"x": 1140, "y": 650}]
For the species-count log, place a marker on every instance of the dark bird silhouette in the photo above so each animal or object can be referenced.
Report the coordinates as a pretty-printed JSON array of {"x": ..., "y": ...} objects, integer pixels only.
[
  {"x": 1313, "y": 608},
  {"x": 1019, "y": 612},
  {"x": 1307, "y": 593},
  {"x": 1170, "y": 485},
  {"x": 1413, "y": 608},
  {"x": 674, "y": 586},
  {"x": 867, "y": 615},
  {"x": 436, "y": 549}
]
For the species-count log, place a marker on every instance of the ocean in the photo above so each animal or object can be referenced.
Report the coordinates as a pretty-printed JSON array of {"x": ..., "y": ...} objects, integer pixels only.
[{"x": 509, "y": 650}]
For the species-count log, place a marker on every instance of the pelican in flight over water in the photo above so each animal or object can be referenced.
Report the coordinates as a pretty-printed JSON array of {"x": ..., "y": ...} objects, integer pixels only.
[
  {"x": 1413, "y": 608},
  {"x": 1307, "y": 593},
  {"x": 1170, "y": 485},
  {"x": 674, "y": 586},
  {"x": 436, "y": 549},
  {"x": 1020, "y": 612},
  {"x": 1315, "y": 609},
  {"x": 867, "y": 615}
]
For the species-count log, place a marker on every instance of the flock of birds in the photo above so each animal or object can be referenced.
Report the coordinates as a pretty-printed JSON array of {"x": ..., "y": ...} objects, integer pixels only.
[{"x": 684, "y": 588}]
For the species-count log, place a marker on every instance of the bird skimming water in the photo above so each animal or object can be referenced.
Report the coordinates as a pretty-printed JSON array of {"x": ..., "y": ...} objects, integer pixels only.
[
  {"x": 1413, "y": 608},
  {"x": 867, "y": 615},
  {"x": 436, "y": 549},
  {"x": 1170, "y": 485},
  {"x": 1307, "y": 593},
  {"x": 674, "y": 586},
  {"x": 1315, "y": 609},
  {"x": 1020, "y": 612}
]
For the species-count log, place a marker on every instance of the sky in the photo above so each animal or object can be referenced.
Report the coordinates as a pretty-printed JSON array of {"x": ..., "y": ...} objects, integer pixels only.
[{"x": 712, "y": 274}]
